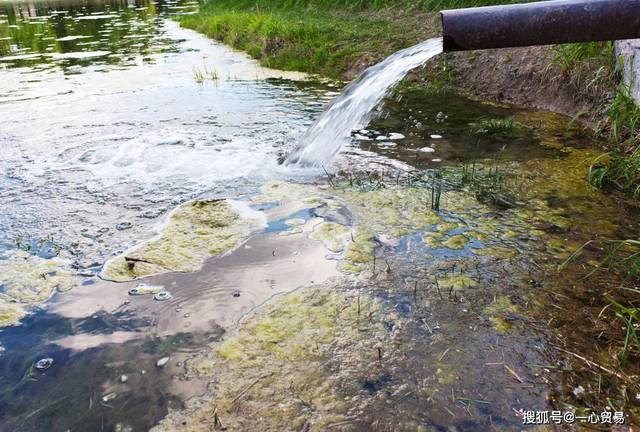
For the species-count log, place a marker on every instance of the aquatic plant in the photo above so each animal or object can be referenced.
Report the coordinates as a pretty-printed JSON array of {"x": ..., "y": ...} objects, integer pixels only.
[
  {"x": 201, "y": 75},
  {"x": 27, "y": 281},
  {"x": 193, "y": 232},
  {"x": 630, "y": 314},
  {"x": 494, "y": 126},
  {"x": 276, "y": 363}
]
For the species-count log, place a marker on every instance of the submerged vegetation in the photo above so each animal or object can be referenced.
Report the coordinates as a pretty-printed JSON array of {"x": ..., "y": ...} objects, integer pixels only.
[{"x": 194, "y": 231}]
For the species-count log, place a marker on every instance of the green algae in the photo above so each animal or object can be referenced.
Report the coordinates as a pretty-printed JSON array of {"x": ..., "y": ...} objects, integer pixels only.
[
  {"x": 31, "y": 279},
  {"x": 11, "y": 312},
  {"x": 27, "y": 281},
  {"x": 497, "y": 311},
  {"x": 394, "y": 206},
  {"x": 193, "y": 232},
  {"x": 202, "y": 365},
  {"x": 274, "y": 364},
  {"x": 457, "y": 283},
  {"x": 334, "y": 236},
  {"x": 500, "y": 324},
  {"x": 456, "y": 242},
  {"x": 361, "y": 249},
  {"x": 432, "y": 239},
  {"x": 275, "y": 190},
  {"x": 501, "y": 305}
]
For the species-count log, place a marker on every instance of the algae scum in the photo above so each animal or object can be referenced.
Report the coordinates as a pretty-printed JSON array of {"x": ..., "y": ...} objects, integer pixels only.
[{"x": 191, "y": 284}]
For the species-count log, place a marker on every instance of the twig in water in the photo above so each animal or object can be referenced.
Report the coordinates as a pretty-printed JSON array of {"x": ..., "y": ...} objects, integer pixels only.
[
  {"x": 243, "y": 392},
  {"x": 444, "y": 354},
  {"x": 438, "y": 288},
  {"x": 328, "y": 177},
  {"x": 217, "y": 424},
  {"x": 513, "y": 373},
  {"x": 594, "y": 364}
]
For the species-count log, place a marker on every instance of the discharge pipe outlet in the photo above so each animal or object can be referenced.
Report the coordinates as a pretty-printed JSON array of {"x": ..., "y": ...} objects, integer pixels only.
[{"x": 540, "y": 23}]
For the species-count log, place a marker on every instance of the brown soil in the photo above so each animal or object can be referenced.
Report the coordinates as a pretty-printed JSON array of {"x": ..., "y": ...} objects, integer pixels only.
[
  {"x": 525, "y": 77},
  {"x": 521, "y": 76}
]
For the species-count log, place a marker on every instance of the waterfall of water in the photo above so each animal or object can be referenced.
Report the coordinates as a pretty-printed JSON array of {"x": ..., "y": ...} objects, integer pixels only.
[{"x": 354, "y": 107}]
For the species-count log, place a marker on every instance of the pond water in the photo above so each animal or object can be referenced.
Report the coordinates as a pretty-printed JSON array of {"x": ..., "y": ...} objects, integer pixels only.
[
  {"x": 94, "y": 144},
  {"x": 112, "y": 116}
]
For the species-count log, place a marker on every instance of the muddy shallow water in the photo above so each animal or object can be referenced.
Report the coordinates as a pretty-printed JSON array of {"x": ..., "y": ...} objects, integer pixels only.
[{"x": 354, "y": 301}]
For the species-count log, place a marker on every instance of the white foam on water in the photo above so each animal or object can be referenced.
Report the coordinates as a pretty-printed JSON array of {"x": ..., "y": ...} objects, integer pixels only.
[
  {"x": 354, "y": 108},
  {"x": 78, "y": 55}
]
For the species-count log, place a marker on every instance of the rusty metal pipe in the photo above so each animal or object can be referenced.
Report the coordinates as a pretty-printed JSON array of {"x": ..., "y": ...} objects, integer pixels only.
[{"x": 540, "y": 23}]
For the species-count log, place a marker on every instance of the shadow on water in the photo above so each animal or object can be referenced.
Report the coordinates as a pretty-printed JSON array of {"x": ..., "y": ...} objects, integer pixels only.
[{"x": 97, "y": 388}]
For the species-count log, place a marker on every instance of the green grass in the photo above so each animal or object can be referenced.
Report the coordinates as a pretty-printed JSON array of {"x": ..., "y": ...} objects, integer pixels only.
[
  {"x": 620, "y": 167},
  {"x": 493, "y": 127},
  {"x": 590, "y": 66},
  {"x": 329, "y": 37},
  {"x": 355, "y": 5},
  {"x": 294, "y": 40}
]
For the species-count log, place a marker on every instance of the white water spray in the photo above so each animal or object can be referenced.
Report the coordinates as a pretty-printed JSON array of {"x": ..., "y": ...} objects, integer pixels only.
[{"x": 354, "y": 107}]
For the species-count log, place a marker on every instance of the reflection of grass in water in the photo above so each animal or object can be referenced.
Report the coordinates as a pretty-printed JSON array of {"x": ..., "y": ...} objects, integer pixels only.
[
  {"x": 622, "y": 257},
  {"x": 201, "y": 75}
]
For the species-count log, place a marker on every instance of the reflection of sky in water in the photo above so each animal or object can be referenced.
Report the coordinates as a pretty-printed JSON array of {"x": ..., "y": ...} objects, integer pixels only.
[
  {"x": 92, "y": 142},
  {"x": 68, "y": 34}
]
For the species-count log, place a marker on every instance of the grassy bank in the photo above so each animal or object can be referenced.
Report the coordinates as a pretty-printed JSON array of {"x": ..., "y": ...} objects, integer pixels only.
[
  {"x": 334, "y": 38},
  {"x": 302, "y": 37}
]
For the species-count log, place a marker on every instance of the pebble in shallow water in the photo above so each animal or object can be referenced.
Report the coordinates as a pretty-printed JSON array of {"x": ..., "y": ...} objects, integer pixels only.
[
  {"x": 123, "y": 226},
  {"x": 162, "y": 296},
  {"x": 44, "y": 364}
]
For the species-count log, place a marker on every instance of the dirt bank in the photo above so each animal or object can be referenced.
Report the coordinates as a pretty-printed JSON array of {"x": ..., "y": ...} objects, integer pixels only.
[{"x": 525, "y": 77}]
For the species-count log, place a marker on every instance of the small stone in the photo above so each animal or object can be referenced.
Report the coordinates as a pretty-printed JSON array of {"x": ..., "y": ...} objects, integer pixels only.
[
  {"x": 123, "y": 226},
  {"x": 435, "y": 136},
  {"x": 362, "y": 137},
  {"x": 578, "y": 390},
  {"x": 109, "y": 396},
  {"x": 124, "y": 378},
  {"x": 44, "y": 364},
  {"x": 236, "y": 294},
  {"x": 427, "y": 149},
  {"x": 162, "y": 296},
  {"x": 162, "y": 362},
  {"x": 396, "y": 136}
]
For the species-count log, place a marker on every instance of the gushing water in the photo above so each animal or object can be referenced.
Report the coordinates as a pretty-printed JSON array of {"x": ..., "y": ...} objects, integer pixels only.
[{"x": 354, "y": 108}]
